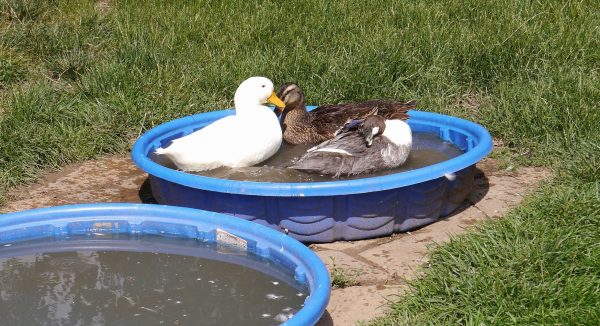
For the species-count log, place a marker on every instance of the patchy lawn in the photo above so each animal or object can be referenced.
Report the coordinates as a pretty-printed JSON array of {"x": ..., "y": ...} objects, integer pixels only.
[{"x": 81, "y": 79}]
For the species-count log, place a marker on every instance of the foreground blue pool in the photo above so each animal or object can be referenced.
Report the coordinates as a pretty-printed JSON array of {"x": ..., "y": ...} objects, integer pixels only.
[
  {"x": 109, "y": 228},
  {"x": 330, "y": 210}
]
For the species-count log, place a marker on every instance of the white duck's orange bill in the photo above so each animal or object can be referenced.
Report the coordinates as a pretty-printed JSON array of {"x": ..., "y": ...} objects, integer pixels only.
[{"x": 273, "y": 99}]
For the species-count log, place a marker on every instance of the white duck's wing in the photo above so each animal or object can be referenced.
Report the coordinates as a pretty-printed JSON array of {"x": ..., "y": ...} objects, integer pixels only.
[
  {"x": 213, "y": 134},
  {"x": 232, "y": 141},
  {"x": 204, "y": 148},
  {"x": 255, "y": 139}
]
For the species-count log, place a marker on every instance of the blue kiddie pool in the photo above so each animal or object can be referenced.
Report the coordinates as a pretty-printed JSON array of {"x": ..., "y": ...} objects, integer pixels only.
[
  {"x": 331, "y": 210},
  {"x": 138, "y": 227}
]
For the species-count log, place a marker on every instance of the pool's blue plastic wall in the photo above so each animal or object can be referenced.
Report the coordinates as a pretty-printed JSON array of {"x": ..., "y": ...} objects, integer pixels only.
[
  {"x": 327, "y": 211},
  {"x": 105, "y": 222},
  {"x": 331, "y": 218}
]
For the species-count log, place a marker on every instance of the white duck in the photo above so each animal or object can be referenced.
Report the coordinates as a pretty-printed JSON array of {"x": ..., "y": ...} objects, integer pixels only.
[{"x": 249, "y": 137}]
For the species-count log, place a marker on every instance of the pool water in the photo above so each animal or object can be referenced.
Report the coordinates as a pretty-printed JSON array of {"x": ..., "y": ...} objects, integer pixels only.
[
  {"x": 427, "y": 149},
  {"x": 141, "y": 282}
]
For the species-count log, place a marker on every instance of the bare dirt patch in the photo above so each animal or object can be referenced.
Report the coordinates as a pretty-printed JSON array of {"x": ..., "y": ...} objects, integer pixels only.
[
  {"x": 380, "y": 265},
  {"x": 110, "y": 179}
]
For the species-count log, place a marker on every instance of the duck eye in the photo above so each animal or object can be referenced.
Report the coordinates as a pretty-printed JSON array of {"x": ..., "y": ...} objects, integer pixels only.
[{"x": 263, "y": 86}]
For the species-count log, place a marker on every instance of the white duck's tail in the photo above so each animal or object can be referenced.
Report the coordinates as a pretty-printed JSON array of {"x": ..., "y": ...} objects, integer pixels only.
[
  {"x": 171, "y": 157},
  {"x": 163, "y": 157},
  {"x": 450, "y": 176},
  {"x": 160, "y": 151}
]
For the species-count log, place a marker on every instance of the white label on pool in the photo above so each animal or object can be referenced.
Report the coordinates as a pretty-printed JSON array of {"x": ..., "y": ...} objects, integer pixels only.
[{"x": 226, "y": 242}]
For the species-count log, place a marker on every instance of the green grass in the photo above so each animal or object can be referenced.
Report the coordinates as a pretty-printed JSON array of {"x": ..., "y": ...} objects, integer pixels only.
[
  {"x": 78, "y": 81},
  {"x": 341, "y": 278},
  {"x": 525, "y": 71},
  {"x": 10, "y": 71},
  {"x": 538, "y": 266}
]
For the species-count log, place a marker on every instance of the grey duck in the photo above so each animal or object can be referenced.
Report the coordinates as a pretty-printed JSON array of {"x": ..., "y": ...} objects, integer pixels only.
[{"x": 370, "y": 145}]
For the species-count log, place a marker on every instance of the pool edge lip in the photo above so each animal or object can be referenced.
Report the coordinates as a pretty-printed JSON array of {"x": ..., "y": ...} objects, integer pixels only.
[
  {"x": 315, "y": 304},
  {"x": 312, "y": 189}
]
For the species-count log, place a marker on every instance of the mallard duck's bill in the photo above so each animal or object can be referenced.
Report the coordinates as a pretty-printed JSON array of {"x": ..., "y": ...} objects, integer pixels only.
[{"x": 273, "y": 99}]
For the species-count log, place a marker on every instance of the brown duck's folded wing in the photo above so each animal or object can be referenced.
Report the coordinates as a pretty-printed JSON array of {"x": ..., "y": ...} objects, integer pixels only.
[{"x": 329, "y": 118}]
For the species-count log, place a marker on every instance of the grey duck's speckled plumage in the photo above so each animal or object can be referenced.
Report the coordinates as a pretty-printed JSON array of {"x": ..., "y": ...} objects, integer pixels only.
[
  {"x": 320, "y": 124},
  {"x": 349, "y": 153}
]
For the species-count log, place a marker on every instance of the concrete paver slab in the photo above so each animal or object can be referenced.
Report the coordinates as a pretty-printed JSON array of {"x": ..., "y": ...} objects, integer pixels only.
[{"x": 382, "y": 263}]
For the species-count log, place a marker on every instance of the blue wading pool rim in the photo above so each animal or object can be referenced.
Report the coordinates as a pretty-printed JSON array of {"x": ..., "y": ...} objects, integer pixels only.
[
  {"x": 478, "y": 145},
  {"x": 61, "y": 221}
]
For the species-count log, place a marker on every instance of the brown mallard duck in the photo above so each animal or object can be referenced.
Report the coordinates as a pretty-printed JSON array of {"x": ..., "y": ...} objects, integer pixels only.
[{"x": 310, "y": 127}]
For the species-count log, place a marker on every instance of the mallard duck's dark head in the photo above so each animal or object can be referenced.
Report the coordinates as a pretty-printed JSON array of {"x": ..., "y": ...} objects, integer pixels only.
[
  {"x": 293, "y": 97},
  {"x": 372, "y": 126}
]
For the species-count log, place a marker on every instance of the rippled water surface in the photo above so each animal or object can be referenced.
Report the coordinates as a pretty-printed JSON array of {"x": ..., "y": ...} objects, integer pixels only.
[
  {"x": 427, "y": 149},
  {"x": 115, "y": 287}
]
